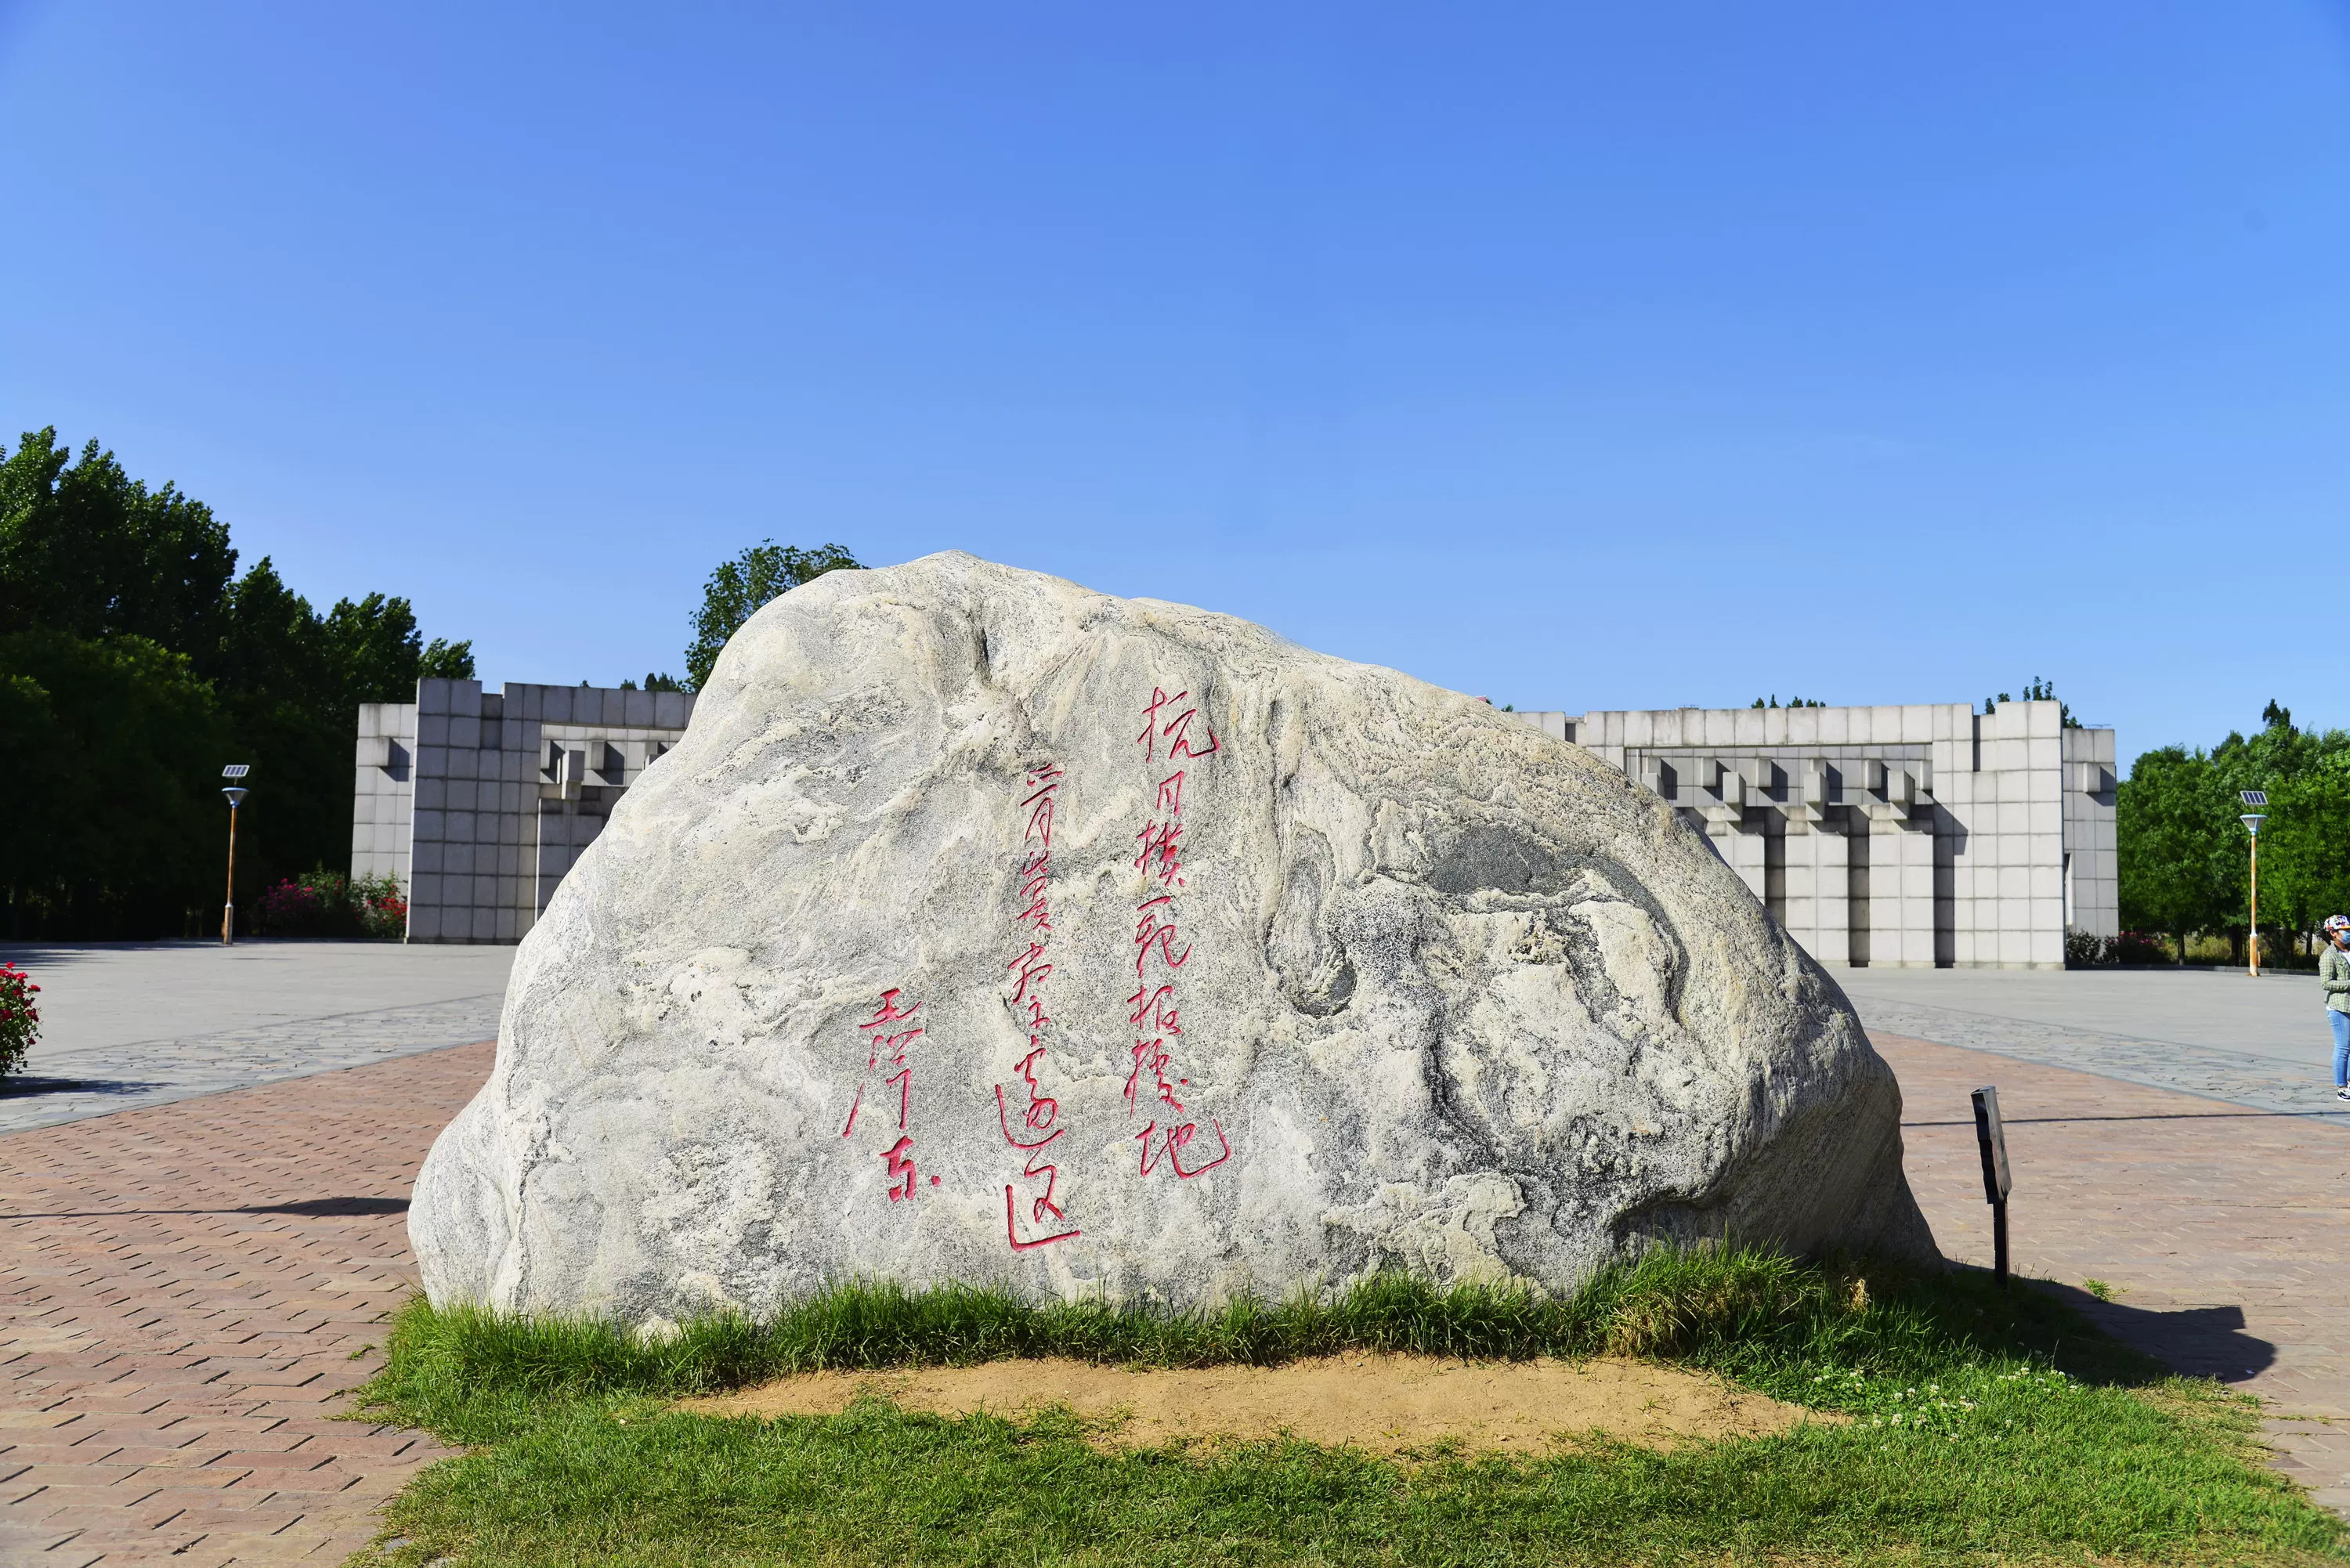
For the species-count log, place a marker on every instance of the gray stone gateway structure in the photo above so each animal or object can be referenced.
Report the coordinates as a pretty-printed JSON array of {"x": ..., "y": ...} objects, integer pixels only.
[
  {"x": 479, "y": 801},
  {"x": 1926, "y": 834},
  {"x": 1915, "y": 836}
]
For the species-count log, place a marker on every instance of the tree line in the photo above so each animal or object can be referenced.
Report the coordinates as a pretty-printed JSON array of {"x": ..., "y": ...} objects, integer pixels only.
[
  {"x": 2184, "y": 866},
  {"x": 135, "y": 662}
]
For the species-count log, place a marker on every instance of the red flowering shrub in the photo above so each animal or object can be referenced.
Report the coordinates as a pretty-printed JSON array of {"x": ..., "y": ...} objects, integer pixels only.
[
  {"x": 323, "y": 904},
  {"x": 20, "y": 1021},
  {"x": 382, "y": 912}
]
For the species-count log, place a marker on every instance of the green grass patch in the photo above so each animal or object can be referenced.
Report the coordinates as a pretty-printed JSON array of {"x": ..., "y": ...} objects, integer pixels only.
[{"x": 1987, "y": 1425}]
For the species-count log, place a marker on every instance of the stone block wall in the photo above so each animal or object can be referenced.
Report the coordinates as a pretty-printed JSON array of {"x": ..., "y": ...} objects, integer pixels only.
[
  {"x": 1922, "y": 835},
  {"x": 383, "y": 795},
  {"x": 501, "y": 793}
]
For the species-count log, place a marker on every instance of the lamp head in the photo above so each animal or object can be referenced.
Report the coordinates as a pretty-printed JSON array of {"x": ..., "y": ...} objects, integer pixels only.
[
  {"x": 2251, "y": 821},
  {"x": 235, "y": 797}
]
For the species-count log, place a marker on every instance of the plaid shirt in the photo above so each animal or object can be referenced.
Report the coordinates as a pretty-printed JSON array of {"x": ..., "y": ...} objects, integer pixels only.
[{"x": 2334, "y": 978}]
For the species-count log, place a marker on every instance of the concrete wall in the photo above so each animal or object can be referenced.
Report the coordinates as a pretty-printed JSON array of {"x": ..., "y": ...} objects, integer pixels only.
[
  {"x": 500, "y": 794},
  {"x": 384, "y": 794},
  {"x": 1913, "y": 836}
]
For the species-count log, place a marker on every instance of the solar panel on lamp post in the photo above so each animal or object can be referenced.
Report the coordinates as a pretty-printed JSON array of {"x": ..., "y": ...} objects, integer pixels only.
[
  {"x": 2251, "y": 821},
  {"x": 236, "y": 794}
]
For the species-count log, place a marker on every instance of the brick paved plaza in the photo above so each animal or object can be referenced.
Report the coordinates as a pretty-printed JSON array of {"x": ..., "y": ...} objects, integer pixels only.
[{"x": 186, "y": 1289}]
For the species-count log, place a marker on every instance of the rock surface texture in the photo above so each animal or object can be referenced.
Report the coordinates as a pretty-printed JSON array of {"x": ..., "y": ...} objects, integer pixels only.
[{"x": 986, "y": 928}]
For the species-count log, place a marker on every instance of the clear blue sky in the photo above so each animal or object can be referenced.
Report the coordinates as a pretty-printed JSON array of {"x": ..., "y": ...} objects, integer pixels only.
[{"x": 1578, "y": 357}]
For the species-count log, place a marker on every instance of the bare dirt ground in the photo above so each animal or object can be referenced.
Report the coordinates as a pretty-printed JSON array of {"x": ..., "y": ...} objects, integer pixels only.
[{"x": 1381, "y": 1403}]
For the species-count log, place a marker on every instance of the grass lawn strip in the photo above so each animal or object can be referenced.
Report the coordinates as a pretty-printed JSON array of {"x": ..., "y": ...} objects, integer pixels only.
[{"x": 1985, "y": 1426}]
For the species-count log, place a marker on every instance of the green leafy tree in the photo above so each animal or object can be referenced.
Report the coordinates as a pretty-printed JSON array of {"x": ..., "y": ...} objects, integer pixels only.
[
  {"x": 375, "y": 649},
  {"x": 86, "y": 548},
  {"x": 738, "y": 589},
  {"x": 2185, "y": 856},
  {"x": 2305, "y": 845},
  {"x": 133, "y": 663},
  {"x": 117, "y": 827},
  {"x": 445, "y": 661},
  {"x": 2170, "y": 818}
]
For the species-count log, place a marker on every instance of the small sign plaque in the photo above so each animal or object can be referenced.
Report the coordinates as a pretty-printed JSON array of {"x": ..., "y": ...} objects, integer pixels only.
[
  {"x": 1993, "y": 1137},
  {"x": 1997, "y": 1183}
]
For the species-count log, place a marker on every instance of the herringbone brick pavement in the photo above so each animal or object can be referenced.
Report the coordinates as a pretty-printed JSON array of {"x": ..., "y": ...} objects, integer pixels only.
[
  {"x": 185, "y": 1291},
  {"x": 2222, "y": 1229}
]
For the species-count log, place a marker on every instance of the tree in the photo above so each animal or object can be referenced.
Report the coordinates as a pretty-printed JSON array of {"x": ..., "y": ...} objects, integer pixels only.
[
  {"x": 2038, "y": 690},
  {"x": 2169, "y": 818},
  {"x": 2185, "y": 858},
  {"x": 737, "y": 589},
  {"x": 2305, "y": 847},
  {"x": 116, "y": 826},
  {"x": 445, "y": 661},
  {"x": 87, "y": 549},
  {"x": 375, "y": 649},
  {"x": 133, "y": 663}
]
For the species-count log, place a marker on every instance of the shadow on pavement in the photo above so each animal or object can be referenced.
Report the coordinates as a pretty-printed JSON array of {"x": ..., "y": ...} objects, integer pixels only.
[
  {"x": 2196, "y": 1342},
  {"x": 308, "y": 1207},
  {"x": 2146, "y": 1117},
  {"x": 59, "y": 953},
  {"x": 328, "y": 1207},
  {"x": 26, "y": 1085}
]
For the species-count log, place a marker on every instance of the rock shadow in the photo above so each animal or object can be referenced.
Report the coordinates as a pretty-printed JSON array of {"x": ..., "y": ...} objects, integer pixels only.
[{"x": 331, "y": 1208}]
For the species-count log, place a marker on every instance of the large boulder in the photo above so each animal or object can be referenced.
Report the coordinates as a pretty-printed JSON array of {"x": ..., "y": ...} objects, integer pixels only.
[{"x": 986, "y": 928}]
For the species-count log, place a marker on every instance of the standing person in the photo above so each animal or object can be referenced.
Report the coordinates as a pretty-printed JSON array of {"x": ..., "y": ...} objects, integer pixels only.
[{"x": 2333, "y": 979}]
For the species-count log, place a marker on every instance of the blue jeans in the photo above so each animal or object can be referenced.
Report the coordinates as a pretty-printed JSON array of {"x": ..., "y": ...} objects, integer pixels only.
[{"x": 2341, "y": 1022}]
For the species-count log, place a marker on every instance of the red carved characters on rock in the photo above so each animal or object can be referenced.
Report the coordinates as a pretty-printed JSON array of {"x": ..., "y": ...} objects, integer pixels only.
[
  {"x": 1039, "y": 1117},
  {"x": 886, "y": 1044},
  {"x": 1159, "y": 951}
]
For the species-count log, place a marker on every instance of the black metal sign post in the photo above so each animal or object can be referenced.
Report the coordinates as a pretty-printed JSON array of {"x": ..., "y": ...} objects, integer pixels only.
[{"x": 1993, "y": 1137}]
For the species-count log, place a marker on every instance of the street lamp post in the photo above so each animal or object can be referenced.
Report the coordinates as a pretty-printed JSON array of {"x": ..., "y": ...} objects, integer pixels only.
[
  {"x": 2251, "y": 821},
  {"x": 236, "y": 794}
]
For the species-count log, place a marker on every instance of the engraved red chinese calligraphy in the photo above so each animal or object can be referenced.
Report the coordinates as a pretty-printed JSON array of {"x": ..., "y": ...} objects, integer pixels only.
[
  {"x": 1038, "y": 1115},
  {"x": 1172, "y": 1130},
  {"x": 890, "y": 1034}
]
